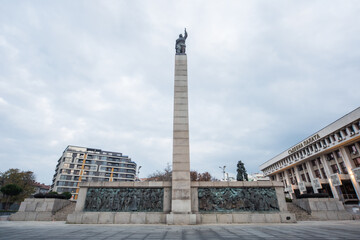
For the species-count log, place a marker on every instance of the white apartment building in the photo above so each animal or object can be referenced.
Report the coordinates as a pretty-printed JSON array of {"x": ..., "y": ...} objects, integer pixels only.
[
  {"x": 81, "y": 164},
  {"x": 328, "y": 161}
]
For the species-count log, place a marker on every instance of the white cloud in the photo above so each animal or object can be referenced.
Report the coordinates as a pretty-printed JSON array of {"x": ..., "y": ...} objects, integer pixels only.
[{"x": 100, "y": 74}]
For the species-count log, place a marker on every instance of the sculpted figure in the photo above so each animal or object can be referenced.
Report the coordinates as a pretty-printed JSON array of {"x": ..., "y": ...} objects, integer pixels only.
[{"x": 180, "y": 45}]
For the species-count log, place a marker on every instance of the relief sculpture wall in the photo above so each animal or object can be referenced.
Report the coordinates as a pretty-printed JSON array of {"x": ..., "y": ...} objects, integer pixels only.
[
  {"x": 237, "y": 199},
  {"x": 124, "y": 200}
]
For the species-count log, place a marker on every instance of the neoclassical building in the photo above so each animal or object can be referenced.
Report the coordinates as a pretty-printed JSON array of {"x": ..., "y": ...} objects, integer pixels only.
[
  {"x": 328, "y": 161},
  {"x": 82, "y": 164}
]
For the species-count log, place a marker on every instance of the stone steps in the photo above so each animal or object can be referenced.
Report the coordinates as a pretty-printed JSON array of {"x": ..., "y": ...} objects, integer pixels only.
[
  {"x": 62, "y": 214},
  {"x": 301, "y": 215}
]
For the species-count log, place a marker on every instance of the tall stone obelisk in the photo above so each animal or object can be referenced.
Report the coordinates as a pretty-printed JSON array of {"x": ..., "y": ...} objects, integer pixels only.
[{"x": 181, "y": 190}]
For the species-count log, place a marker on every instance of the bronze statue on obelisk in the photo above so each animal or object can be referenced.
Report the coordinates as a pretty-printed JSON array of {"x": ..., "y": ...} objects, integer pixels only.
[{"x": 180, "y": 45}]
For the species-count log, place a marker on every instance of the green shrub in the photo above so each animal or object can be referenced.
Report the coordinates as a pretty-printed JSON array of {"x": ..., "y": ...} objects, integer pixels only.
[
  {"x": 67, "y": 195},
  {"x": 288, "y": 199},
  {"x": 39, "y": 195},
  {"x": 313, "y": 195}
]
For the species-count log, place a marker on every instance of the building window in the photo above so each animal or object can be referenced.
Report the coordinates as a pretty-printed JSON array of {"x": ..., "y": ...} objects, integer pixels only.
[
  {"x": 330, "y": 156},
  {"x": 319, "y": 162},
  {"x": 300, "y": 168},
  {"x": 343, "y": 168},
  {"x": 323, "y": 173},
  {"x": 313, "y": 162},
  {"x": 335, "y": 168},
  {"x": 303, "y": 177},
  {"x": 338, "y": 154},
  {"x": 308, "y": 177},
  {"x": 352, "y": 149},
  {"x": 357, "y": 162},
  {"x": 317, "y": 173},
  {"x": 343, "y": 132}
]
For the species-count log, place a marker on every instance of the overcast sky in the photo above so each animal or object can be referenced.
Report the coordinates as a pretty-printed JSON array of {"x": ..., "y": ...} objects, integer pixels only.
[{"x": 263, "y": 75}]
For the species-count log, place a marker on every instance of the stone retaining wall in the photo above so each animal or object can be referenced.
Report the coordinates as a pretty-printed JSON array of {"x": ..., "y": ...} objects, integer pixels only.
[
  {"x": 38, "y": 209},
  {"x": 324, "y": 208}
]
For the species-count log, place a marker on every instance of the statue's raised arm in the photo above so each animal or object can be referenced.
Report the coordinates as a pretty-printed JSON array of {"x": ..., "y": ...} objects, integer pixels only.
[{"x": 180, "y": 45}]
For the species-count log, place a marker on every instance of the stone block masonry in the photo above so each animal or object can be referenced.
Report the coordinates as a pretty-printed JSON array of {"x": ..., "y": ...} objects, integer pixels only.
[
  {"x": 39, "y": 209},
  {"x": 181, "y": 198}
]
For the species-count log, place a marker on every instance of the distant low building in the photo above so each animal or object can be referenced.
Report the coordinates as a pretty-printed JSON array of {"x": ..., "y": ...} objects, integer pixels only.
[
  {"x": 258, "y": 177},
  {"x": 82, "y": 164},
  {"x": 41, "y": 188},
  {"x": 231, "y": 179}
]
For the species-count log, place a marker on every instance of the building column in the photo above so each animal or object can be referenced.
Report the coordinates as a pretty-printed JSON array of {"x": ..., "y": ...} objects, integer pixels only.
[
  {"x": 286, "y": 178},
  {"x": 356, "y": 128},
  {"x": 277, "y": 177},
  {"x": 337, "y": 163},
  {"x": 318, "y": 166},
  {"x": 328, "y": 173},
  {"x": 297, "y": 174},
  {"x": 357, "y": 146},
  {"x": 348, "y": 166},
  {"x": 309, "y": 168},
  {"x": 347, "y": 130},
  {"x": 341, "y": 134},
  {"x": 288, "y": 182}
]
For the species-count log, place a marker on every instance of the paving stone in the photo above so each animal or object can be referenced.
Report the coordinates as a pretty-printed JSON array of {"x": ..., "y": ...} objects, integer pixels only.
[{"x": 60, "y": 230}]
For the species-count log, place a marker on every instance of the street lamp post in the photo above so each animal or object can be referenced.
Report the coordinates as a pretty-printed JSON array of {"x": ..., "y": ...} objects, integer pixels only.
[
  {"x": 138, "y": 173},
  {"x": 223, "y": 171}
]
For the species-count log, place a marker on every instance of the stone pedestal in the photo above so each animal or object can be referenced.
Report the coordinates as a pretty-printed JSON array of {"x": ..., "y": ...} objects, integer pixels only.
[
  {"x": 181, "y": 219},
  {"x": 181, "y": 195}
]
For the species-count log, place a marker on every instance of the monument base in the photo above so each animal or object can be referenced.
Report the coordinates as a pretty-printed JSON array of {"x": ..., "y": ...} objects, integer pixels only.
[
  {"x": 181, "y": 219},
  {"x": 197, "y": 214}
]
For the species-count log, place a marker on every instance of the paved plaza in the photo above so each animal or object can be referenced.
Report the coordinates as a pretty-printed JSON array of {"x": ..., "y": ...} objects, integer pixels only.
[{"x": 301, "y": 230}]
